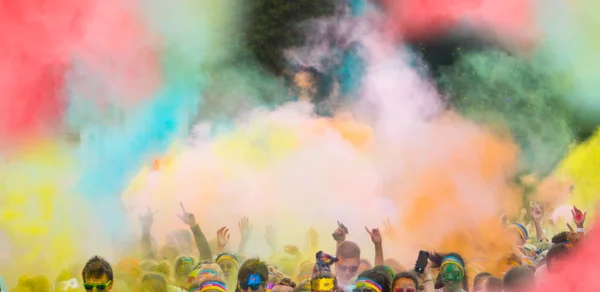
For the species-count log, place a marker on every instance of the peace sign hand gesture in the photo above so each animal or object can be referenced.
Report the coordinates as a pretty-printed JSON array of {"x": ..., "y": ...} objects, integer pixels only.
[{"x": 187, "y": 218}]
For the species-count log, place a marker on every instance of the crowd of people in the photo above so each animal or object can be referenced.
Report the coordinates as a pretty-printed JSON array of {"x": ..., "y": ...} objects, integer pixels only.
[{"x": 187, "y": 262}]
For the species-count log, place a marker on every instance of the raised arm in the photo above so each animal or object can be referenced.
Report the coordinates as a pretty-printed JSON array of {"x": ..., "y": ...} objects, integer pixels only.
[{"x": 201, "y": 242}]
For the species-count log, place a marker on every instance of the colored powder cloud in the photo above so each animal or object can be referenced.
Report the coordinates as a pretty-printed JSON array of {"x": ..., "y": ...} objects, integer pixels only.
[
  {"x": 31, "y": 75},
  {"x": 415, "y": 19},
  {"x": 582, "y": 167},
  {"x": 571, "y": 30},
  {"x": 41, "y": 216},
  {"x": 522, "y": 96},
  {"x": 296, "y": 170},
  {"x": 577, "y": 273}
]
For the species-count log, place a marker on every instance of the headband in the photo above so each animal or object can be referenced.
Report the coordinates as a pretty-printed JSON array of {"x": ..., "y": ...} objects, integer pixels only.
[
  {"x": 453, "y": 260},
  {"x": 212, "y": 285},
  {"x": 521, "y": 229},
  {"x": 528, "y": 261},
  {"x": 228, "y": 257},
  {"x": 369, "y": 284}
]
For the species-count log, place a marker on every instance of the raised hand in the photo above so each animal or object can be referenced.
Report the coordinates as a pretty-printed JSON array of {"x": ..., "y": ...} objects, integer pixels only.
[
  {"x": 340, "y": 233},
  {"x": 245, "y": 228},
  {"x": 187, "y": 218},
  {"x": 147, "y": 220},
  {"x": 536, "y": 213},
  {"x": 375, "y": 235},
  {"x": 578, "y": 217},
  {"x": 223, "y": 237}
]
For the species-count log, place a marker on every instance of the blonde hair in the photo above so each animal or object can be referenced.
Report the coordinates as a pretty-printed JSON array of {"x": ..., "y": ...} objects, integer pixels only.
[{"x": 212, "y": 267}]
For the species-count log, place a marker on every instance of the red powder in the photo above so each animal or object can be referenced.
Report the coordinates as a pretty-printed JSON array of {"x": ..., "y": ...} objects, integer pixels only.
[
  {"x": 36, "y": 38},
  {"x": 579, "y": 270},
  {"x": 420, "y": 19},
  {"x": 39, "y": 41}
]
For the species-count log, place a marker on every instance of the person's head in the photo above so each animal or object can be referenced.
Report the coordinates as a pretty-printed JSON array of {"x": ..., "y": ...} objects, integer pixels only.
[
  {"x": 373, "y": 281},
  {"x": 253, "y": 275},
  {"x": 559, "y": 238},
  {"x": 346, "y": 268},
  {"x": 405, "y": 282},
  {"x": 493, "y": 284},
  {"x": 518, "y": 279},
  {"x": 556, "y": 254},
  {"x": 182, "y": 267},
  {"x": 97, "y": 275},
  {"x": 453, "y": 272},
  {"x": 364, "y": 265},
  {"x": 164, "y": 268},
  {"x": 323, "y": 281},
  {"x": 479, "y": 281},
  {"x": 519, "y": 233},
  {"x": 229, "y": 264},
  {"x": 153, "y": 282},
  {"x": 205, "y": 270},
  {"x": 209, "y": 284},
  {"x": 67, "y": 282}
]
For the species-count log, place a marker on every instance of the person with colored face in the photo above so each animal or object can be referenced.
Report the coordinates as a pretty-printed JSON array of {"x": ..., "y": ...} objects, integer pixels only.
[
  {"x": 252, "y": 276},
  {"x": 452, "y": 271},
  {"x": 405, "y": 282},
  {"x": 97, "y": 275},
  {"x": 229, "y": 264}
]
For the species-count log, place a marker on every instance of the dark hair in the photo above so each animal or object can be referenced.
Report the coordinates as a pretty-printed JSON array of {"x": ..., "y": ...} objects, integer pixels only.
[
  {"x": 378, "y": 277},
  {"x": 555, "y": 253},
  {"x": 494, "y": 284},
  {"x": 406, "y": 275},
  {"x": 253, "y": 266},
  {"x": 560, "y": 237},
  {"x": 348, "y": 250},
  {"x": 385, "y": 270},
  {"x": 478, "y": 281},
  {"x": 97, "y": 267},
  {"x": 438, "y": 258},
  {"x": 517, "y": 277},
  {"x": 153, "y": 282}
]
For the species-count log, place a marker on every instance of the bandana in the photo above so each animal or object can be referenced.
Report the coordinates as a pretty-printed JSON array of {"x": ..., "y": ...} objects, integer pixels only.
[
  {"x": 324, "y": 262},
  {"x": 362, "y": 283},
  {"x": 520, "y": 229},
  {"x": 453, "y": 260},
  {"x": 211, "y": 285},
  {"x": 322, "y": 284}
]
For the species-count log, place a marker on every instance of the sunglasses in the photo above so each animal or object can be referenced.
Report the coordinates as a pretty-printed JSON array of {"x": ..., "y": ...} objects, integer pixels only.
[
  {"x": 405, "y": 290},
  {"x": 99, "y": 287},
  {"x": 343, "y": 268},
  {"x": 252, "y": 287}
]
